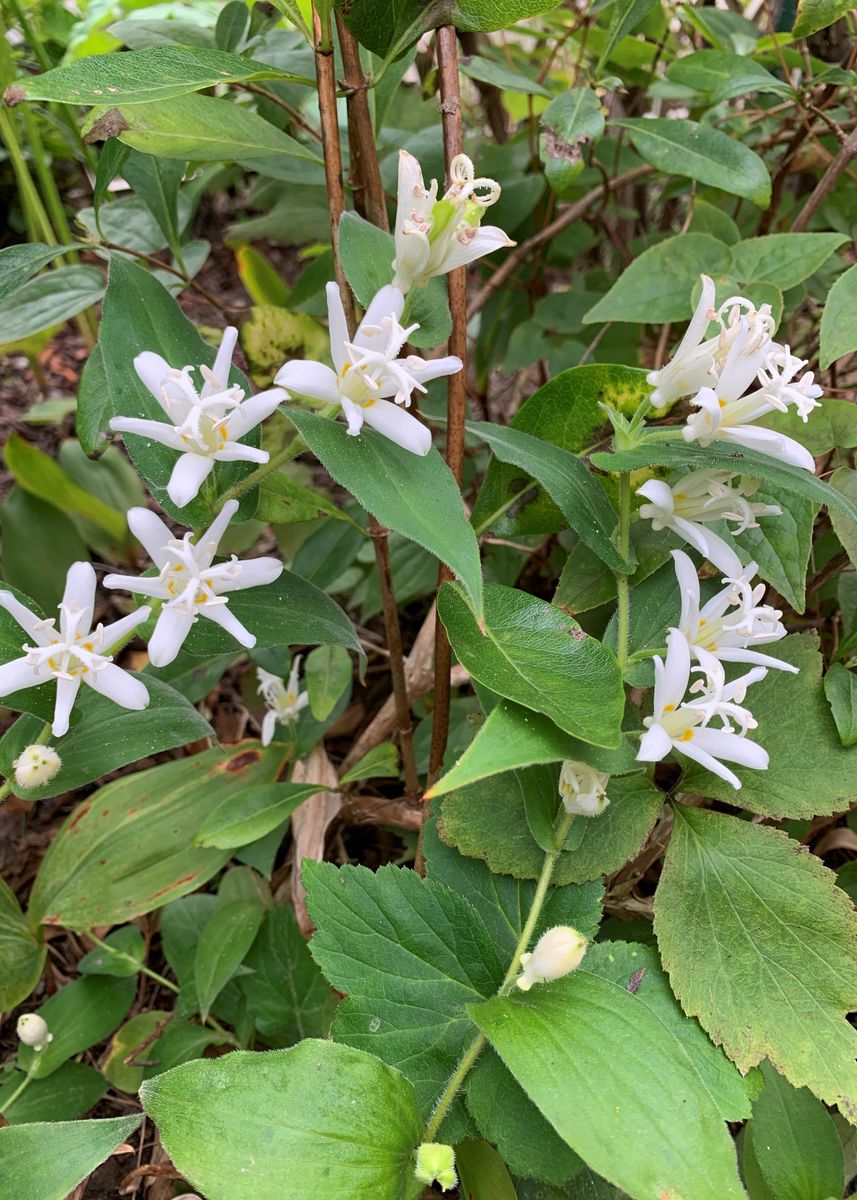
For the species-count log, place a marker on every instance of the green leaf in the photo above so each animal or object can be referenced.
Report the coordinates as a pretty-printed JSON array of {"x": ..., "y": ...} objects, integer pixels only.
[
  {"x": 48, "y": 1161},
  {"x": 702, "y": 153},
  {"x": 795, "y": 1142},
  {"x": 107, "y": 737},
  {"x": 571, "y": 486},
  {"x": 94, "y": 407},
  {"x": 156, "y": 73},
  {"x": 286, "y": 992},
  {"x": 759, "y": 944},
  {"x": 530, "y": 652},
  {"x": 19, "y": 263},
  {"x": 840, "y": 688},
  {"x": 48, "y": 301},
  {"x": 328, "y": 1119},
  {"x": 810, "y": 772},
  {"x": 737, "y": 459},
  {"x": 129, "y": 848},
  {"x": 126, "y": 1076},
  {"x": 570, "y": 122},
  {"x": 781, "y": 545},
  {"x": 22, "y": 956},
  {"x": 381, "y": 762},
  {"x": 659, "y": 283},
  {"x": 613, "y": 1082},
  {"x": 284, "y": 501},
  {"x": 69, "y": 1091},
  {"x": 388, "y": 29},
  {"x": 486, "y": 70},
  {"x": 409, "y": 954},
  {"x": 623, "y": 20},
  {"x": 417, "y": 497},
  {"x": 327, "y": 673},
  {"x": 844, "y": 480},
  {"x": 784, "y": 259},
  {"x": 39, "y": 545},
  {"x": 839, "y": 319},
  {"x": 36, "y": 700},
  {"x": 723, "y": 75},
  {"x": 813, "y": 15},
  {"x": 255, "y": 812},
  {"x": 225, "y": 940},
  {"x": 122, "y": 955},
  {"x": 37, "y": 473},
  {"x": 469, "y": 821},
  {"x": 482, "y": 1173},
  {"x": 156, "y": 181},
  {"x": 79, "y": 1015}
]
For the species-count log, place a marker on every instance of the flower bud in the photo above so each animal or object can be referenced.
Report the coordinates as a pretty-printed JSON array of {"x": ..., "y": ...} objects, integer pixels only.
[
  {"x": 436, "y": 1163},
  {"x": 557, "y": 952},
  {"x": 33, "y": 1031},
  {"x": 582, "y": 789},
  {"x": 36, "y": 765}
]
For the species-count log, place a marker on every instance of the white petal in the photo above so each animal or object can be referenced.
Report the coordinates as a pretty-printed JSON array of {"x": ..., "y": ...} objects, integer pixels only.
[
  {"x": 120, "y": 629},
  {"x": 337, "y": 327},
  {"x": 655, "y": 744},
  {"x": 736, "y": 654},
  {"x": 412, "y": 254},
  {"x": 410, "y": 188},
  {"x": 238, "y": 452},
  {"x": 389, "y": 301},
  {"x": 170, "y": 632},
  {"x": 709, "y": 762},
  {"x": 25, "y": 617},
  {"x": 488, "y": 239},
  {"x": 152, "y": 532},
  {"x": 120, "y": 687},
  {"x": 156, "y": 431},
  {"x": 688, "y": 585},
  {"x": 767, "y": 441},
  {"x": 659, "y": 493},
  {"x": 189, "y": 474},
  {"x": 722, "y": 744},
  {"x": 255, "y": 572},
  {"x": 152, "y": 370},
  {"x": 223, "y": 361},
  {"x": 143, "y": 585},
  {"x": 19, "y": 674},
  {"x": 67, "y": 690},
  {"x": 210, "y": 540},
  {"x": 699, "y": 322},
  {"x": 220, "y": 614},
  {"x": 399, "y": 426},
  {"x": 269, "y": 724},
  {"x": 80, "y": 588},
  {"x": 353, "y": 415},
  {"x": 252, "y": 411},
  {"x": 434, "y": 368},
  {"x": 306, "y": 378},
  {"x": 710, "y": 545},
  {"x": 671, "y": 682}
]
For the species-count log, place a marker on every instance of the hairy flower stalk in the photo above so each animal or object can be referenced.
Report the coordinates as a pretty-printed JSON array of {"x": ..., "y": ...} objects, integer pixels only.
[{"x": 285, "y": 701}]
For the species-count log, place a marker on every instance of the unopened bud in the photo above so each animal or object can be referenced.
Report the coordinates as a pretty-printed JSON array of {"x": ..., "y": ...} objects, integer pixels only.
[
  {"x": 33, "y": 1031},
  {"x": 556, "y": 953},
  {"x": 36, "y": 765},
  {"x": 583, "y": 789},
  {"x": 436, "y": 1164}
]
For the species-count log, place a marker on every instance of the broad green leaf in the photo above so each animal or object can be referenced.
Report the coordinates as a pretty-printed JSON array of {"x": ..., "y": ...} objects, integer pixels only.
[
  {"x": 39, "y": 545},
  {"x": 570, "y": 122},
  {"x": 122, "y": 955},
  {"x": 409, "y": 954},
  {"x": 418, "y": 497},
  {"x": 737, "y": 459},
  {"x": 225, "y": 940},
  {"x": 255, "y": 812},
  {"x": 157, "y": 73},
  {"x": 284, "y": 501},
  {"x": 381, "y": 762},
  {"x": 232, "y": 25},
  {"x": 839, "y": 319},
  {"x": 69, "y": 1091},
  {"x": 844, "y": 480},
  {"x": 327, "y": 673},
  {"x": 21, "y": 953},
  {"x": 759, "y": 945},
  {"x": 469, "y": 821},
  {"x": 79, "y": 1015},
  {"x": 840, "y": 688},
  {"x": 20, "y": 263},
  {"x": 810, "y": 772},
  {"x": 182, "y": 922},
  {"x": 48, "y": 1161},
  {"x": 795, "y": 1142},
  {"x": 48, "y": 301},
  {"x": 722, "y": 75},
  {"x": 616, "y": 1087},
  {"x": 129, "y": 848},
  {"x": 659, "y": 283},
  {"x": 329, "y": 1120},
  {"x": 585, "y": 582},
  {"x": 191, "y": 677},
  {"x": 107, "y": 737},
  {"x": 530, "y": 652},
  {"x": 487, "y": 70},
  {"x": 388, "y": 29},
  {"x": 702, "y": 153},
  {"x": 156, "y": 181},
  {"x": 37, "y": 473},
  {"x": 482, "y": 1173},
  {"x": 780, "y": 545},
  {"x": 813, "y": 15},
  {"x": 784, "y": 259},
  {"x": 513, "y": 737},
  {"x": 569, "y": 483},
  {"x": 94, "y": 406},
  {"x": 286, "y": 992},
  {"x": 624, "y": 19}
]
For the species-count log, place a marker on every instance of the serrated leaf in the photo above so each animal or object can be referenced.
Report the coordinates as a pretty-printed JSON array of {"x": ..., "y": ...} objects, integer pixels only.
[{"x": 48, "y": 1161}]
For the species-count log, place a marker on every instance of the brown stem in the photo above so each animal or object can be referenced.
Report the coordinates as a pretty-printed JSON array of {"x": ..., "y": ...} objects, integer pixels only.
[
  {"x": 162, "y": 266},
  {"x": 294, "y": 115},
  {"x": 369, "y": 199},
  {"x": 847, "y": 151}
]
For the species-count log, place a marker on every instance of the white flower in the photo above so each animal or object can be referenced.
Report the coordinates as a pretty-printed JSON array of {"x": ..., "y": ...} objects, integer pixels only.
[
  {"x": 205, "y": 426},
  {"x": 583, "y": 789},
  {"x": 698, "y": 498},
  {"x": 682, "y": 725},
  {"x": 285, "y": 701},
  {"x": 33, "y": 1031},
  {"x": 727, "y": 635},
  {"x": 36, "y": 765},
  {"x": 556, "y": 953},
  {"x": 692, "y": 365},
  {"x": 190, "y": 584},
  {"x": 75, "y": 653},
  {"x": 368, "y": 371},
  {"x": 436, "y": 236}
]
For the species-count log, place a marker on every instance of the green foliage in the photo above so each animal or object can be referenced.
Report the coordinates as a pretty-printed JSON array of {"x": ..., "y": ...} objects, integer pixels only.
[
  {"x": 22, "y": 955},
  {"x": 63, "y": 1154}
]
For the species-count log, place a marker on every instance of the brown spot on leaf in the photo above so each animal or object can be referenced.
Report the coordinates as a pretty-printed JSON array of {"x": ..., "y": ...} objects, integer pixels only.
[
  {"x": 79, "y": 815},
  {"x": 108, "y": 125},
  {"x": 635, "y": 981},
  {"x": 14, "y": 94},
  {"x": 577, "y": 634},
  {"x": 557, "y": 147},
  {"x": 175, "y": 884},
  {"x": 245, "y": 759}
]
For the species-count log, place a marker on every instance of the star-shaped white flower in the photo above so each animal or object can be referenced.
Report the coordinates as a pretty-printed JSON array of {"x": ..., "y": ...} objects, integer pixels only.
[
  {"x": 436, "y": 236},
  {"x": 189, "y": 582},
  {"x": 204, "y": 426},
  {"x": 369, "y": 371},
  {"x": 284, "y": 701},
  {"x": 75, "y": 653}
]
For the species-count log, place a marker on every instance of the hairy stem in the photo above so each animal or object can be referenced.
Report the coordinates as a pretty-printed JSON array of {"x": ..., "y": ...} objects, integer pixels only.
[{"x": 622, "y": 586}]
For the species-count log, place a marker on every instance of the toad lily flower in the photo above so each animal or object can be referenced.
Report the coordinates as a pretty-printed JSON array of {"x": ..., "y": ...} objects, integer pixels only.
[
  {"x": 189, "y": 582},
  {"x": 728, "y": 635},
  {"x": 285, "y": 701},
  {"x": 75, "y": 653},
  {"x": 682, "y": 725},
  {"x": 436, "y": 236},
  {"x": 369, "y": 370},
  {"x": 204, "y": 426},
  {"x": 583, "y": 789},
  {"x": 703, "y": 496}
]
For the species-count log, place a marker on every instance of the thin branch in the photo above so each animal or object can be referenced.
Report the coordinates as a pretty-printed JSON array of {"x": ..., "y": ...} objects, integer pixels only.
[
  {"x": 294, "y": 115},
  {"x": 825, "y": 185},
  {"x": 369, "y": 198},
  {"x": 162, "y": 266}
]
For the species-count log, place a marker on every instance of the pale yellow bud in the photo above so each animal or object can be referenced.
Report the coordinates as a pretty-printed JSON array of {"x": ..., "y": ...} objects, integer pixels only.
[
  {"x": 583, "y": 789},
  {"x": 33, "y": 1031},
  {"x": 436, "y": 1164},
  {"x": 556, "y": 953},
  {"x": 36, "y": 765}
]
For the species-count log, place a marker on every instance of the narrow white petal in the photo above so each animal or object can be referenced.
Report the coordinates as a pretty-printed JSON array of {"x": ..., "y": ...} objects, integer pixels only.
[
  {"x": 170, "y": 632},
  {"x": 655, "y": 744},
  {"x": 189, "y": 474},
  {"x": 223, "y": 361},
  {"x": 353, "y": 415},
  {"x": 269, "y": 724},
  {"x": 699, "y": 322},
  {"x": 488, "y": 239},
  {"x": 305, "y": 378},
  {"x": 410, "y": 187},
  {"x": 120, "y": 687},
  {"x": 722, "y": 744},
  {"x": 220, "y": 614},
  {"x": 767, "y": 441},
  {"x": 253, "y": 411},
  {"x": 143, "y": 585},
  {"x": 156, "y": 431},
  {"x": 671, "y": 685},
  {"x": 80, "y": 587},
  {"x": 218, "y": 527},
  {"x": 67, "y": 690},
  {"x": 688, "y": 586},
  {"x": 412, "y": 254},
  {"x": 25, "y": 617},
  {"x": 399, "y": 426},
  {"x": 152, "y": 370},
  {"x": 238, "y": 452},
  {"x": 659, "y": 493},
  {"x": 337, "y": 329},
  {"x": 736, "y": 654},
  {"x": 389, "y": 301},
  {"x": 120, "y": 629},
  {"x": 152, "y": 532},
  {"x": 689, "y": 750},
  {"x": 434, "y": 368},
  {"x": 255, "y": 572},
  {"x": 710, "y": 545},
  {"x": 19, "y": 674}
]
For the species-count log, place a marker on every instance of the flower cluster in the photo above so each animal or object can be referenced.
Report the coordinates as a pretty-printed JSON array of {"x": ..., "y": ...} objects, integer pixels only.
[{"x": 284, "y": 701}]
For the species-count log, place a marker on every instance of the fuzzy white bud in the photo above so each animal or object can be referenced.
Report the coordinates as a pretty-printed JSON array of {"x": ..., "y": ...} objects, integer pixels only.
[
  {"x": 36, "y": 765},
  {"x": 557, "y": 952},
  {"x": 33, "y": 1031},
  {"x": 436, "y": 1163},
  {"x": 583, "y": 789}
]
